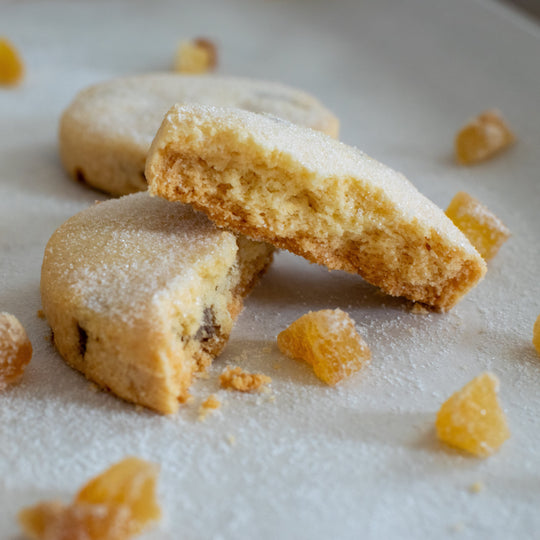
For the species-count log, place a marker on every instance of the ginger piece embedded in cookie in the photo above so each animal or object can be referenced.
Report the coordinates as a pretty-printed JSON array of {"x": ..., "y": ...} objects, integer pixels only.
[
  {"x": 11, "y": 65},
  {"x": 15, "y": 350},
  {"x": 196, "y": 56},
  {"x": 485, "y": 231},
  {"x": 472, "y": 418},
  {"x": 115, "y": 505},
  {"x": 482, "y": 138},
  {"x": 235, "y": 378},
  {"x": 328, "y": 341}
]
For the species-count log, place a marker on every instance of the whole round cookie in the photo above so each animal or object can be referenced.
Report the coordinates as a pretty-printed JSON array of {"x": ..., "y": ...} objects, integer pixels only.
[
  {"x": 141, "y": 294},
  {"x": 107, "y": 130}
]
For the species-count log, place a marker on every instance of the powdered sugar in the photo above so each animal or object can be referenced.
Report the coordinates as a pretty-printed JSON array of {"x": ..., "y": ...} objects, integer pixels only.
[{"x": 118, "y": 256}]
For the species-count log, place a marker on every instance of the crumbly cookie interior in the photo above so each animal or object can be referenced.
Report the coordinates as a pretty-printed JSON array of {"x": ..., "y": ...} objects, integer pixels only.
[{"x": 360, "y": 218}]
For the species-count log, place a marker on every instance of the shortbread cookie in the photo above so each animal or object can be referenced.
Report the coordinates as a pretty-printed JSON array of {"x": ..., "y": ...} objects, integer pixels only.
[
  {"x": 303, "y": 191},
  {"x": 142, "y": 293},
  {"x": 107, "y": 130}
]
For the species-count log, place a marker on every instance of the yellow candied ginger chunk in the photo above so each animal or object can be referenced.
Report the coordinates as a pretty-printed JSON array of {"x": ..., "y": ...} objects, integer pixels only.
[
  {"x": 15, "y": 350},
  {"x": 472, "y": 418},
  {"x": 328, "y": 341},
  {"x": 11, "y": 65},
  {"x": 536, "y": 335},
  {"x": 486, "y": 232},
  {"x": 56, "y": 521},
  {"x": 115, "y": 505},
  {"x": 482, "y": 138},
  {"x": 196, "y": 56}
]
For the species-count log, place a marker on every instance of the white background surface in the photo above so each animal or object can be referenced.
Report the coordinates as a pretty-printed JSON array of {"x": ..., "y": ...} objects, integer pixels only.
[{"x": 357, "y": 461}]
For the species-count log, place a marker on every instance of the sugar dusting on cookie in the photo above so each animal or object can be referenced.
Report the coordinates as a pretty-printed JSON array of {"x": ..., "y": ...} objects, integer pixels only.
[{"x": 115, "y": 268}]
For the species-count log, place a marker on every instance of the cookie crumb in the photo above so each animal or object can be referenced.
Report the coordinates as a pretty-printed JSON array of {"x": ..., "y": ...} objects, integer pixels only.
[
  {"x": 231, "y": 439},
  {"x": 196, "y": 56},
  {"x": 419, "y": 309},
  {"x": 483, "y": 137},
  {"x": 185, "y": 398},
  {"x": 211, "y": 403},
  {"x": 40, "y": 313},
  {"x": 477, "y": 487},
  {"x": 235, "y": 378},
  {"x": 15, "y": 350},
  {"x": 11, "y": 65}
]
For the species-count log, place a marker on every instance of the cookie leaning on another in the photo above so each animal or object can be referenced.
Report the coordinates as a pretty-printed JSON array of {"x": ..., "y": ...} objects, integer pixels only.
[
  {"x": 303, "y": 191},
  {"x": 142, "y": 293},
  {"x": 107, "y": 130}
]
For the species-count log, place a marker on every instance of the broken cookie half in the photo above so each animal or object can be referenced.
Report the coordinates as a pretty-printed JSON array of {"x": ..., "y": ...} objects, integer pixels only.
[
  {"x": 303, "y": 191},
  {"x": 141, "y": 294}
]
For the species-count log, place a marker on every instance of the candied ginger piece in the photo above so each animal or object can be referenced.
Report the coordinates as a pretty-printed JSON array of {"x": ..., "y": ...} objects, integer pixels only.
[
  {"x": 328, "y": 341},
  {"x": 131, "y": 482},
  {"x": 196, "y": 56},
  {"x": 472, "y": 418},
  {"x": 235, "y": 378},
  {"x": 486, "y": 232},
  {"x": 11, "y": 66},
  {"x": 15, "y": 350},
  {"x": 55, "y": 521},
  {"x": 482, "y": 138},
  {"x": 536, "y": 335},
  {"x": 115, "y": 505}
]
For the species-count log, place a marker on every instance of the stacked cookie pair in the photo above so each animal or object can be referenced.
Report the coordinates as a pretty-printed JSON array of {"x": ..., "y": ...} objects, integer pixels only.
[{"x": 141, "y": 292}]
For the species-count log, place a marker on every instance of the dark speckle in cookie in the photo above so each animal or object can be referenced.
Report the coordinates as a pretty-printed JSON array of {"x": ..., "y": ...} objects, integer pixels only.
[
  {"x": 208, "y": 328},
  {"x": 83, "y": 339}
]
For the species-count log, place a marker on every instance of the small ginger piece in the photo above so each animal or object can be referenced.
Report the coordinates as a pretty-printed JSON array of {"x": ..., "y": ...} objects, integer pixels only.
[
  {"x": 196, "y": 56},
  {"x": 472, "y": 418},
  {"x": 11, "y": 65},
  {"x": 328, "y": 341},
  {"x": 486, "y": 232},
  {"x": 15, "y": 350},
  {"x": 536, "y": 335},
  {"x": 235, "y": 378},
  {"x": 115, "y": 505},
  {"x": 55, "y": 521},
  {"x": 211, "y": 403},
  {"x": 482, "y": 138}
]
